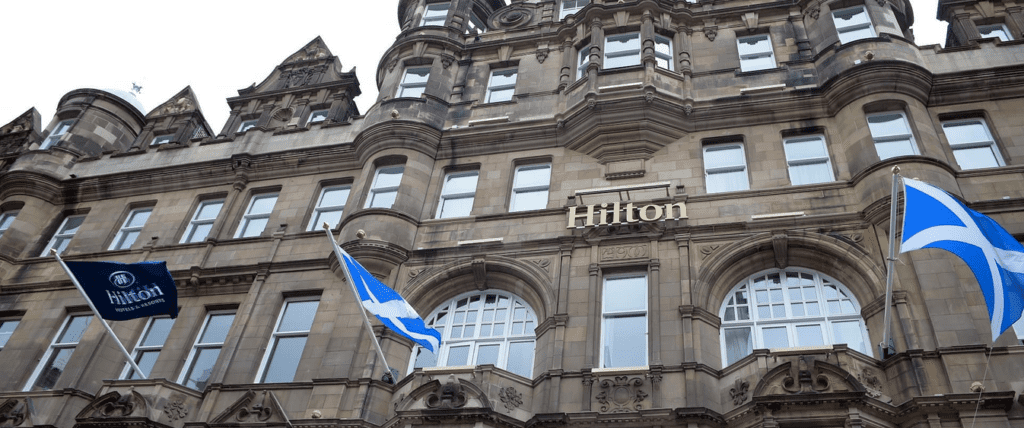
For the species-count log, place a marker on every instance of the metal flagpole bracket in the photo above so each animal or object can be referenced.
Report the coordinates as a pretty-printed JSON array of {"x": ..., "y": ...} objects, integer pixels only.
[{"x": 887, "y": 348}]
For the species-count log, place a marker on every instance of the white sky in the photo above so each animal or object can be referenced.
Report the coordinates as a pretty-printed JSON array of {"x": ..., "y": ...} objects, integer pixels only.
[{"x": 216, "y": 46}]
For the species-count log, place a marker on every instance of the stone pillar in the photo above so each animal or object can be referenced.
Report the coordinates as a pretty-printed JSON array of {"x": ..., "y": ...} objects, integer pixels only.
[
  {"x": 654, "y": 311},
  {"x": 1017, "y": 19},
  {"x": 796, "y": 22},
  {"x": 568, "y": 63},
  {"x": 593, "y": 317},
  {"x": 964, "y": 30},
  {"x": 647, "y": 41}
]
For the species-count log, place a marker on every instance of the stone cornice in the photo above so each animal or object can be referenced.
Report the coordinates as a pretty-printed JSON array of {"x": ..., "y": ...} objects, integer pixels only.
[{"x": 32, "y": 184}]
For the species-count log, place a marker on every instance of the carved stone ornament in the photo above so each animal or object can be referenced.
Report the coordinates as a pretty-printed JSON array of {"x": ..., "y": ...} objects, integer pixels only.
[
  {"x": 115, "y": 405},
  {"x": 802, "y": 381},
  {"x": 711, "y": 33},
  {"x": 512, "y": 17},
  {"x": 542, "y": 263},
  {"x": 175, "y": 409},
  {"x": 245, "y": 410},
  {"x": 542, "y": 54},
  {"x": 510, "y": 398},
  {"x": 687, "y": 109},
  {"x": 871, "y": 383},
  {"x": 624, "y": 252},
  {"x": 707, "y": 250},
  {"x": 648, "y": 96},
  {"x": 621, "y": 395},
  {"x": 813, "y": 12},
  {"x": 180, "y": 105},
  {"x": 807, "y": 375},
  {"x": 446, "y": 61},
  {"x": 392, "y": 64},
  {"x": 416, "y": 272},
  {"x": 301, "y": 76},
  {"x": 12, "y": 413},
  {"x": 448, "y": 396},
  {"x": 739, "y": 392},
  {"x": 314, "y": 51}
]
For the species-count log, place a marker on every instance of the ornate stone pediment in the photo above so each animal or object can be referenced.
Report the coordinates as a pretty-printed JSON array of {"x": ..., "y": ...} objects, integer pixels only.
[
  {"x": 621, "y": 394},
  {"x": 454, "y": 393},
  {"x": 247, "y": 409},
  {"x": 115, "y": 405},
  {"x": 806, "y": 375},
  {"x": 13, "y": 413}
]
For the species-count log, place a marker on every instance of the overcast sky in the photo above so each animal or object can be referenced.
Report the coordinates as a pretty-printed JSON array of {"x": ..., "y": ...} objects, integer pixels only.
[{"x": 218, "y": 47}]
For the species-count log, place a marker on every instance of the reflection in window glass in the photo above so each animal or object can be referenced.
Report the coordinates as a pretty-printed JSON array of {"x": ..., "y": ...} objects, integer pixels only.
[
  {"x": 624, "y": 322},
  {"x": 149, "y": 347},
  {"x": 530, "y": 187},
  {"x": 288, "y": 341},
  {"x": 205, "y": 351},
  {"x": 57, "y": 356}
]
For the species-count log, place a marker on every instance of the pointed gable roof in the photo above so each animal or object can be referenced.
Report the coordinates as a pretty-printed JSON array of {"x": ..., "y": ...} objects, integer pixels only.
[
  {"x": 183, "y": 102},
  {"x": 313, "y": 65},
  {"x": 18, "y": 133}
]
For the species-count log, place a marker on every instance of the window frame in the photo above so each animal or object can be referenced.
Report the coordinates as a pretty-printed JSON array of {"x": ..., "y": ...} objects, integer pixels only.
[
  {"x": 826, "y": 160},
  {"x": 7, "y": 219},
  {"x": 161, "y": 139},
  {"x": 197, "y": 345},
  {"x": 577, "y": 6},
  {"x": 846, "y": 29},
  {"x": 1004, "y": 36},
  {"x": 635, "y": 313},
  {"x": 433, "y": 18},
  {"x": 990, "y": 142},
  {"x": 4, "y": 340},
  {"x": 452, "y": 196},
  {"x": 186, "y": 238},
  {"x": 584, "y": 61},
  {"x": 375, "y": 191},
  {"x": 268, "y": 353},
  {"x": 492, "y": 88},
  {"x": 319, "y": 209},
  {"x": 312, "y": 120},
  {"x": 419, "y": 88},
  {"x": 54, "y": 345},
  {"x": 622, "y": 54},
  {"x": 122, "y": 234},
  {"x": 909, "y": 135},
  {"x": 746, "y": 60},
  {"x": 527, "y": 189},
  {"x": 247, "y": 125},
  {"x": 710, "y": 172},
  {"x": 57, "y": 133},
  {"x": 660, "y": 40},
  {"x": 249, "y": 216},
  {"x": 61, "y": 234},
  {"x": 140, "y": 349}
]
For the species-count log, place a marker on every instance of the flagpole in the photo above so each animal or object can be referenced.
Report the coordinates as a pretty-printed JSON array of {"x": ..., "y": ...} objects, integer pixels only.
[
  {"x": 884, "y": 347},
  {"x": 362, "y": 311},
  {"x": 124, "y": 351}
]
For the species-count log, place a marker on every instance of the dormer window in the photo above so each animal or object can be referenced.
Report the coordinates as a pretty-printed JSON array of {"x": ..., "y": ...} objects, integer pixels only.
[
  {"x": 58, "y": 132},
  {"x": 317, "y": 116},
  {"x": 570, "y": 7},
  {"x": 247, "y": 125},
  {"x": 997, "y": 31},
  {"x": 435, "y": 14},
  {"x": 161, "y": 139}
]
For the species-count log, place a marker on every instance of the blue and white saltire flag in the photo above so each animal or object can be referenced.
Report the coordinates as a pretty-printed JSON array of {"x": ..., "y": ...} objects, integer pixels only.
[
  {"x": 387, "y": 305},
  {"x": 934, "y": 219}
]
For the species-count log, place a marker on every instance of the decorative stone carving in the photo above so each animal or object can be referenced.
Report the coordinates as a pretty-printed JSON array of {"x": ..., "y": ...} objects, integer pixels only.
[
  {"x": 512, "y": 17},
  {"x": 416, "y": 272},
  {"x": 542, "y": 54},
  {"x": 392, "y": 64},
  {"x": 624, "y": 252},
  {"x": 301, "y": 76},
  {"x": 621, "y": 394},
  {"x": 687, "y": 109},
  {"x": 807, "y": 376},
  {"x": 707, "y": 250},
  {"x": 739, "y": 392},
  {"x": 175, "y": 409},
  {"x": 115, "y": 405},
  {"x": 311, "y": 52},
  {"x": 813, "y": 12},
  {"x": 446, "y": 61},
  {"x": 180, "y": 105},
  {"x": 510, "y": 398},
  {"x": 711, "y": 33},
  {"x": 283, "y": 115},
  {"x": 802, "y": 381},
  {"x": 448, "y": 396},
  {"x": 542, "y": 263},
  {"x": 12, "y": 412},
  {"x": 244, "y": 410},
  {"x": 871, "y": 383},
  {"x": 780, "y": 247},
  {"x": 649, "y": 96}
]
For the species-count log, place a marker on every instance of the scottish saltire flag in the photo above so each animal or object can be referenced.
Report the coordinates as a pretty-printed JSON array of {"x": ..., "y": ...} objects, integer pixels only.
[
  {"x": 934, "y": 219},
  {"x": 387, "y": 305},
  {"x": 122, "y": 291}
]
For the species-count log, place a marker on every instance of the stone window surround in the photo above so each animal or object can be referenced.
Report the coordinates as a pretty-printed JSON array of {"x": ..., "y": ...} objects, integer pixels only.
[
  {"x": 45, "y": 359},
  {"x": 123, "y": 221},
  {"x": 261, "y": 373},
  {"x": 453, "y": 172},
  {"x": 646, "y": 265},
  {"x": 186, "y": 226},
  {"x": 244, "y": 214}
]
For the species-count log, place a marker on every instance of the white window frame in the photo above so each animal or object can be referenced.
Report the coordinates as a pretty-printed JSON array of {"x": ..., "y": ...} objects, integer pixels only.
[
  {"x": 139, "y": 349},
  {"x": 121, "y": 241},
  {"x": 318, "y": 116},
  {"x": 11, "y": 323},
  {"x": 908, "y": 135},
  {"x": 277, "y": 334},
  {"x": 6, "y": 220},
  {"x": 196, "y": 221},
  {"x": 663, "y": 52},
  {"x": 709, "y": 173},
  {"x": 987, "y": 141},
  {"x": 791, "y": 162},
  {"x": 61, "y": 235},
  {"x": 197, "y": 345},
  {"x": 636, "y": 313},
  {"x": 843, "y": 30},
  {"x": 518, "y": 189},
  {"x": 314, "y": 222},
  {"x": 492, "y": 88},
  {"x": 376, "y": 189},
  {"x": 747, "y": 60},
  {"x": 475, "y": 23},
  {"x": 435, "y": 18},
  {"x": 59, "y": 130},
  {"x": 54, "y": 345},
  {"x": 569, "y": 7},
  {"x": 999, "y": 31},
  {"x": 162, "y": 139},
  {"x": 584, "y": 61},
  {"x": 447, "y": 194},
  {"x": 247, "y": 125},
  {"x": 623, "y": 54},
  {"x": 408, "y": 89},
  {"x": 1018, "y": 328},
  {"x": 249, "y": 215}
]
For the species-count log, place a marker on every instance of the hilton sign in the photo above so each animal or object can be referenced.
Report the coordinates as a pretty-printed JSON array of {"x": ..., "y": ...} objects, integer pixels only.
[{"x": 624, "y": 214}]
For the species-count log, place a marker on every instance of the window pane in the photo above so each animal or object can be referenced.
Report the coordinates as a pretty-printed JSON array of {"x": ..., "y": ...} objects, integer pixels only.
[
  {"x": 383, "y": 199},
  {"x": 805, "y": 148},
  {"x": 998, "y": 31},
  {"x": 458, "y": 356},
  {"x": 625, "y": 341},
  {"x": 254, "y": 227},
  {"x": 850, "y": 17},
  {"x": 723, "y": 156},
  {"x": 217, "y": 328},
  {"x": 388, "y": 177},
  {"x": 138, "y": 218},
  {"x": 622, "y": 61},
  {"x": 456, "y": 207},
  {"x": 145, "y": 361},
  {"x": 53, "y": 368},
  {"x": 412, "y": 92},
  {"x": 209, "y": 210},
  {"x": 75, "y": 329},
  {"x": 284, "y": 359},
  {"x": 625, "y": 294},
  {"x": 200, "y": 232},
  {"x": 202, "y": 367},
  {"x": 532, "y": 200},
  {"x": 620, "y": 43},
  {"x": 810, "y": 173},
  {"x": 462, "y": 183},
  {"x": 331, "y": 217},
  {"x": 760, "y": 62},
  {"x": 129, "y": 239},
  {"x": 775, "y": 337},
  {"x": 334, "y": 196},
  {"x": 71, "y": 225},
  {"x": 533, "y": 176},
  {"x": 520, "y": 358},
  {"x": 263, "y": 204},
  {"x": 487, "y": 354},
  {"x": 503, "y": 77},
  {"x": 416, "y": 75},
  {"x": 978, "y": 157},
  {"x": 738, "y": 344},
  {"x": 887, "y": 124},
  {"x": 497, "y": 96},
  {"x": 425, "y": 358},
  {"x": 849, "y": 332},
  {"x": 298, "y": 316},
  {"x": 754, "y": 45},
  {"x": 893, "y": 148},
  {"x": 966, "y": 132},
  {"x": 727, "y": 181},
  {"x": 6, "y": 330},
  {"x": 809, "y": 335},
  {"x": 158, "y": 331}
]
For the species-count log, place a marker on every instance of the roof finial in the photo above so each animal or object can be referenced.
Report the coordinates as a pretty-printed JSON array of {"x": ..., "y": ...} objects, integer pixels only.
[{"x": 136, "y": 88}]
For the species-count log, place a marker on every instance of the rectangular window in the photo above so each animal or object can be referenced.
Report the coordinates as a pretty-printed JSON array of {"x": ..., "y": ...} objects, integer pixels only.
[
  {"x": 6, "y": 219},
  {"x": 248, "y": 124},
  {"x": 569, "y": 7},
  {"x": 998, "y": 31},
  {"x": 972, "y": 144},
  {"x": 621, "y": 50},
  {"x": 289, "y": 339},
  {"x": 435, "y": 14},
  {"x": 205, "y": 351},
  {"x": 6, "y": 330},
  {"x": 457, "y": 194},
  {"x": 891, "y": 133},
  {"x": 725, "y": 168},
  {"x": 530, "y": 187},
  {"x": 663, "y": 52},
  {"x": 317, "y": 116},
  {"x": 58, "y": 131},
  {"x": 476, "y": 24},
  {"x": 65, "y": 232},
  {"x": 808, "y": 161},
  {"x": 581, "y": 68},
  {"x": 414, "y": 82},
  {"x": 756, "y": 53},
  {"x": 254, "y": 222},
  {"x": 161, "y": 139},
  {"x": 624, "y": 322},
  {"x": 55, "y": 360},
  {"x": 329, "y": 207},
  {"x": 853, "y": 24},
  {"x": 149, "y": 347},
  {"x": 202, "y": 221},
  {"x": 385, "y": 187},
  {"x": 502, "y": 85},
  {"x": 130, "y": 229}
]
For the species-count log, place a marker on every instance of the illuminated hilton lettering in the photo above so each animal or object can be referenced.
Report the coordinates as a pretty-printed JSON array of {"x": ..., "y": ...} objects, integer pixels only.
[{"x": 647, "y": 213}]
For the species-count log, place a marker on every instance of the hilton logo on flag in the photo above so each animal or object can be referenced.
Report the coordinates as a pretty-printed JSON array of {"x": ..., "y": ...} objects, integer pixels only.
[
  {"x": 126, "y": 291},
  {"x": 122, "y": 279}
]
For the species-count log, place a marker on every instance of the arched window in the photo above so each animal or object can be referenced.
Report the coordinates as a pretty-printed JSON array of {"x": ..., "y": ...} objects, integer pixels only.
[
  {"x": 483, "y": 327},
  {"x": 789, "y": 308}
]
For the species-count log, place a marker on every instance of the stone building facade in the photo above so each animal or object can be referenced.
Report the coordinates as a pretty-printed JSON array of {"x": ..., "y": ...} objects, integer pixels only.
[{"x": 619, "y": 213}]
